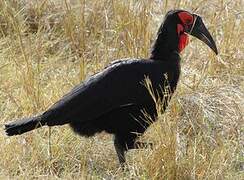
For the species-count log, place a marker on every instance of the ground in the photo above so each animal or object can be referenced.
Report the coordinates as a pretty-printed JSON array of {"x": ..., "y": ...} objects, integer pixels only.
[{"x": 48, "y": 47}]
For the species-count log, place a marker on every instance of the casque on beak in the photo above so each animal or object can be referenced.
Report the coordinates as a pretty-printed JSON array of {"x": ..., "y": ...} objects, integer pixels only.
[{"x": 199, "y": 30}]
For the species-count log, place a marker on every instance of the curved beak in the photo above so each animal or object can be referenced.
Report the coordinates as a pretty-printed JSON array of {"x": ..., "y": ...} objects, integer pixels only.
[{"x": 200, "y": 31}]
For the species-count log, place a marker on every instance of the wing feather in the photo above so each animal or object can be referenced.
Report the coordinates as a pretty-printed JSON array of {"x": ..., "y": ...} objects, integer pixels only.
[{"x": 101, "y": 93}]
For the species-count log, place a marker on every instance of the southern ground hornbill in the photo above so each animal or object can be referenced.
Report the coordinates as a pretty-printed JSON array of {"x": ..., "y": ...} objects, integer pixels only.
[{"x": 116, "y": 100}]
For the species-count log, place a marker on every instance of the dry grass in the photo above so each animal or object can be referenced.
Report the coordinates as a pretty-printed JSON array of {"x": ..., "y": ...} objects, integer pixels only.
[{"x": 47, "y": 47}]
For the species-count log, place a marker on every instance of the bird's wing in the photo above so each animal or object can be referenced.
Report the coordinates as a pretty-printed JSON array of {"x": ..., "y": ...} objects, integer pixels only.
[{"x": 118, "y": 85}]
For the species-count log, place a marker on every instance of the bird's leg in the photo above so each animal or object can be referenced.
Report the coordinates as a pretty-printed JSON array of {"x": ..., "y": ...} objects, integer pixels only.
[{"x": 120, "y": 150}]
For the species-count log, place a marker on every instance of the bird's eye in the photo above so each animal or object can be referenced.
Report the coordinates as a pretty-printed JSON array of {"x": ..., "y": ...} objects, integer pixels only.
[
  {"x": 188, "y": 22},
  {"x": 186, "y": 18}
]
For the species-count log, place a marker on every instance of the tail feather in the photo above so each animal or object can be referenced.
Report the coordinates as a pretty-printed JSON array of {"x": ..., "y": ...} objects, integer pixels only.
[{"x": 23, "y": 125}]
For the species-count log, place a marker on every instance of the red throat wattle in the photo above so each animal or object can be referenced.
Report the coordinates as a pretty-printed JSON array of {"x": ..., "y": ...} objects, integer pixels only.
[
  {"x": 183, "y": 41},
  {"x": 183, "y": 37}
]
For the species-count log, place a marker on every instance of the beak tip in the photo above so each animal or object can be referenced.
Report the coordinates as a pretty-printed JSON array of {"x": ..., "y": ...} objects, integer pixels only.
[{"x": 216, "y": 51}]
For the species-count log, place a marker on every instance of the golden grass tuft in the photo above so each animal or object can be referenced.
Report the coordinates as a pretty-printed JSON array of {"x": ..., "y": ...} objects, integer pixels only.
[{"x": 47, "y": 47}]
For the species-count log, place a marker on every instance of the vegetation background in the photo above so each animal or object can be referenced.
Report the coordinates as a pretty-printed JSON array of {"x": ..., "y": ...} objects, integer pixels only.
[{"x": 47, "y": 47}]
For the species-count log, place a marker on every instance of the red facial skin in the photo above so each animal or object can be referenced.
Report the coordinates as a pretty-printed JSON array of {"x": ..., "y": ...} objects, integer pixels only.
[{"x": 187, "y": 20}]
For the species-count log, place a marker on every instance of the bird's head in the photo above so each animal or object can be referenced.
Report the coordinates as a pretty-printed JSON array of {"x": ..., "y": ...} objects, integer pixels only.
[
  {"x": 174, "y": 31},
  {"x": 188, "y": 23}
]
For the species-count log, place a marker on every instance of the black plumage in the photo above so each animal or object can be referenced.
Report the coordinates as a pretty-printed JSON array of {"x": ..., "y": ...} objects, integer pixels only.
[{"x": 116, "y": 99}]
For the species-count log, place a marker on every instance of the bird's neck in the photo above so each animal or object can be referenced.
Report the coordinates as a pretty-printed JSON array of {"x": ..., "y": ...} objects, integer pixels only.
[{"x": 166, "y": 44}]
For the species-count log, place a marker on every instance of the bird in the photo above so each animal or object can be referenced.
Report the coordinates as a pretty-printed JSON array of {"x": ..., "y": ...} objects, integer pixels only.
[{"x": 116, "y": 100}]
